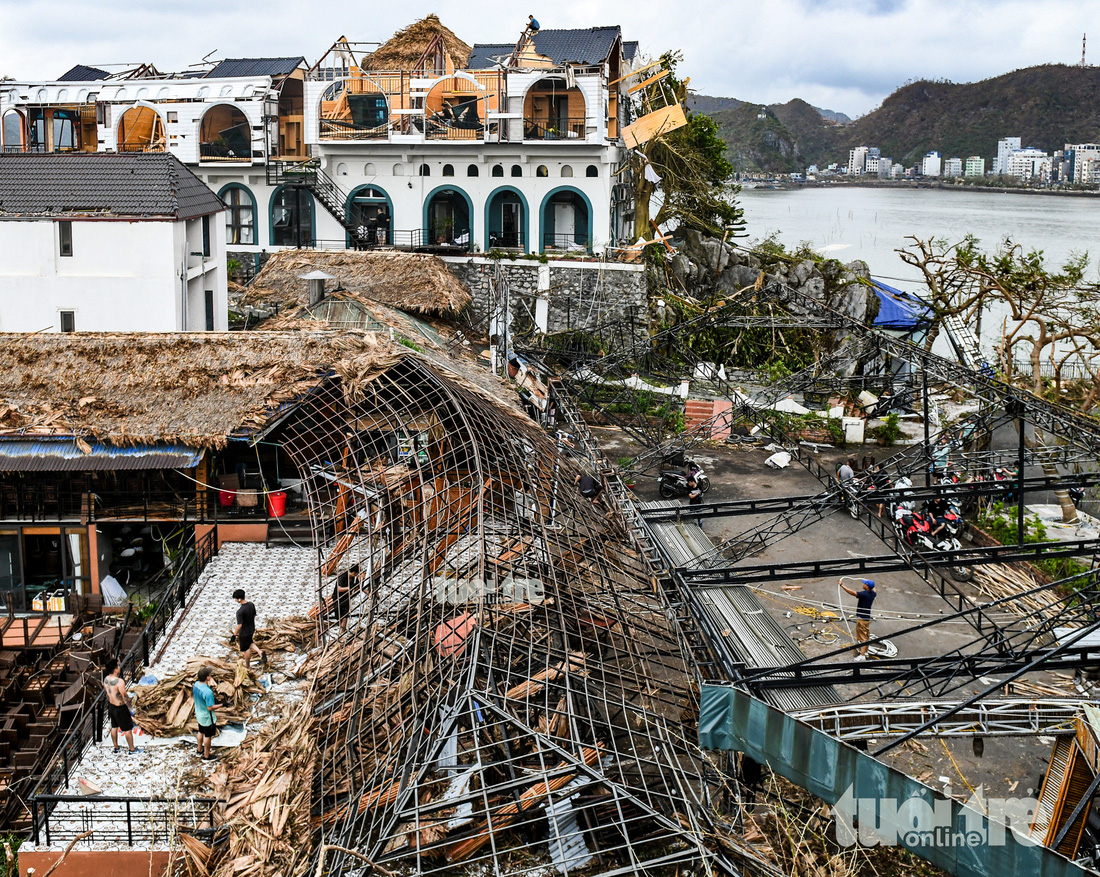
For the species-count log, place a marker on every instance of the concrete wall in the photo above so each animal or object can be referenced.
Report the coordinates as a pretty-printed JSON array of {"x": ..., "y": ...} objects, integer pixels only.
[
  {"x": 122, "y": 276},
  {"x": 571, "y": 295}
]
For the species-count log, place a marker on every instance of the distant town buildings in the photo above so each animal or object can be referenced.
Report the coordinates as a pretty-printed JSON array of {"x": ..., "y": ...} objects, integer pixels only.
[
  {"x": 953, "y": 167},
  {"x": 1028, "y": 164},
  {"x": 931, "y": 165},
  {"x": 975, "y": 166},
  {"x": 1005, "y": 147},
  {"x": 1082, "y": 163}
]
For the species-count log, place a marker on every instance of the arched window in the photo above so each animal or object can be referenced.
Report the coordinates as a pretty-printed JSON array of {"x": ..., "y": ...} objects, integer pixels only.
[
  {"x": 399, "y": 170},
  {"x": 517, "y": 171},
  {"x": 425, "y": 171},
  {"x": 225, "y": 135},
  {"x": 342, "y": 169},
  {"x": 368, "y": 169},
  {"x": 292, "y": 217},
  {"x": 240, "y": 217},
  {"x": 592, "y": 171},
  {"x": 11, "y": 133},
  {"x": 472, "y": 171},
  {"x": 498, "y": 170},
  {"x": 369, "y": 213},
  {"x": 448, "y": 170},
  {"x": 566, "y": 170},
  {"x": 140, "y": 130},
  {"x": 541, "y": 171}
]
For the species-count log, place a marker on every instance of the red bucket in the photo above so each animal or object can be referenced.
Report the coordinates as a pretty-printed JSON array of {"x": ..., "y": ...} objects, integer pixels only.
[{"x": 276, "y": 504}]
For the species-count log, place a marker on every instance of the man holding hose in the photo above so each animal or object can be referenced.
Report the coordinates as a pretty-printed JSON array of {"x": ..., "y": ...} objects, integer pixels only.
[{"x": 864, "y": 599}]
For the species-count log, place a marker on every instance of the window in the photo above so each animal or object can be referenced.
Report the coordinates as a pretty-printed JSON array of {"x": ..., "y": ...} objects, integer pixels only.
[
  {"x": 173, "y": 116},
  {"x": 209, "y": 293},
  {"x": 65, "y": 238},
  {"x": 448, "y": 170},
  {"x": 498, "y": 170},
  {"x": 240, "y": 217},
  {"x": 399, "y": 170},
  {"x": 68, "y": 321},
  {"x": 425, "y": 171},
  {"x": 206, "y": 235},
  {"x": 472, "y": 171},
  {"x": 592, "y": 171},
  {"x": 541, "y": 171},
  {"x": 517, "y": 171},
  {"x": 566, "y": 171}
]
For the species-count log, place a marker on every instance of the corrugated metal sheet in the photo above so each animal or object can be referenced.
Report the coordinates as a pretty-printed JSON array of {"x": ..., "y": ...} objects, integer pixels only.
[
  {"x": 835, "y": 772},
  {"x": 255, "y": 67},
  {"x": 22, "y": 455}
]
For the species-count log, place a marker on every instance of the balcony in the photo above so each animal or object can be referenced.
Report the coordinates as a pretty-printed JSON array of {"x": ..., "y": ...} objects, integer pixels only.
[
  {"x": 570, "y": 128},
  {"x": 570, "y": 242},
  {"x": 506, "y": 240}
]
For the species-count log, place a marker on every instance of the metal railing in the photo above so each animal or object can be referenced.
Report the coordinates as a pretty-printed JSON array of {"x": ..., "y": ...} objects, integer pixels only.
[
  {"x": 88, "y": 729},
  {"x": 506, "y": 240},
  {"x": 137, "y": 821},
  {"x": 573, "y": 242},
  {"x": 572, "y": 128}
]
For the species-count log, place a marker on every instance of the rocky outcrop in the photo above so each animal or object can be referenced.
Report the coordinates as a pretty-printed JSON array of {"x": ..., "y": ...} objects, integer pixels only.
[{"x": 711, "y": 269}]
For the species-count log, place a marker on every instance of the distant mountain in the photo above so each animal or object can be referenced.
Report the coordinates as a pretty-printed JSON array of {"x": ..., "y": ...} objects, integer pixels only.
[
  {"x": 771, "y": 138},
  {"x": 1046, "y": 106}
]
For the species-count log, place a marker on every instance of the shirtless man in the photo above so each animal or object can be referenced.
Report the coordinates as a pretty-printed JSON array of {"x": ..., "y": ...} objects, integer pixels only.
[{"x": 117, "y": 708}]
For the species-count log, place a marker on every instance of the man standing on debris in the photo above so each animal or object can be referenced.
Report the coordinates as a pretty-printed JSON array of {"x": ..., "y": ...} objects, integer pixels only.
[
  {"x": 341, "y": 595},
  {"x": 117, "y": 707},
  {"x": 846, "y": 472},
  {"x": 203, "y": 695},
  {"x": 864, "y": 599},
  {"x": 246, "y": 629}
]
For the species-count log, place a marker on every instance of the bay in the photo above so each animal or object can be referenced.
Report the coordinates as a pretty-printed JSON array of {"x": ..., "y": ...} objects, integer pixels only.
[{"x": 849, "y": 222}]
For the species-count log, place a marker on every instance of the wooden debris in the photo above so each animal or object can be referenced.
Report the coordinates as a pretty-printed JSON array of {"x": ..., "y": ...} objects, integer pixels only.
[
  {"x": 168, "y": 710},
  {"x": 289, "y": 635}
]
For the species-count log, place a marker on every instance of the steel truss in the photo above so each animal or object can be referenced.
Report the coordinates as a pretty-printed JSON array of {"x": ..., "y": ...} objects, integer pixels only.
[{"x": 990, "y": 718}]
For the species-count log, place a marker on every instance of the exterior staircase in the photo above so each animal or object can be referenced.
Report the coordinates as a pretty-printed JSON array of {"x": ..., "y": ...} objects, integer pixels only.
[
  {"x": 308, "y": 175},
  {"x": 706, "y": 414}
]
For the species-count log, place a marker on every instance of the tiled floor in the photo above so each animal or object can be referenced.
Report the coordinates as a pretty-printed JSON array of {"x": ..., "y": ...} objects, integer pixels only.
[{"x": 282, "y": 583}]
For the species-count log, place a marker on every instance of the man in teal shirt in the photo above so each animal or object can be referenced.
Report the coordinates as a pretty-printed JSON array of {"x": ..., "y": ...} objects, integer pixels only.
[{"x": 203, "y": 696}]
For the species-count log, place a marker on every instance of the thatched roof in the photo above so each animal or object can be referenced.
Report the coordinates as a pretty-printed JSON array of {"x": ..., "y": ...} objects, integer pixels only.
[
  {"x": 199, "y": 388},
  {"x": 195, "y": 388},
  {"x": 404, "y": 49},
  {"x": 414, "y": 282}
]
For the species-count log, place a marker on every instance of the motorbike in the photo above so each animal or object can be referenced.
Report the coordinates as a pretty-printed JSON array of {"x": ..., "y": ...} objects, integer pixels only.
[
  {"x": 915, "y": 528},
  {"x": 675, "y": 483}
]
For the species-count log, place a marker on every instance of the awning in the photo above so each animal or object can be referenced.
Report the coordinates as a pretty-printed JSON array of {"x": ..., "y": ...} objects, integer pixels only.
[
  {"x": 899, "y": 309},
  {"x": 63, "y": 455}
]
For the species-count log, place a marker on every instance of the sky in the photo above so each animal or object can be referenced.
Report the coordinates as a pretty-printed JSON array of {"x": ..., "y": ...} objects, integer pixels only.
[{"x": 837, "y": 54}]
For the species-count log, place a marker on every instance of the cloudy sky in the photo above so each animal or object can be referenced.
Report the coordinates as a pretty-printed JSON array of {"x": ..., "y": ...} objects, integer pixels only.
[{"x": 838, "y": 54}]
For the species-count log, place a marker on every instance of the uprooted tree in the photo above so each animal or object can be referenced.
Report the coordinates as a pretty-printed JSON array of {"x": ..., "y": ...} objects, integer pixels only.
[{"x": 686, "y": 166}]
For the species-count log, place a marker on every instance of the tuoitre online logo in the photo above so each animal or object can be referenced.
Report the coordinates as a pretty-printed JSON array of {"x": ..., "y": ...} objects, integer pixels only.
[{"x": 916, "y": 822}]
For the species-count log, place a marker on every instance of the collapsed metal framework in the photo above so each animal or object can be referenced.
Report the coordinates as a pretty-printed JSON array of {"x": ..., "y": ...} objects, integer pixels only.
[{"x": 509, "y": 692}]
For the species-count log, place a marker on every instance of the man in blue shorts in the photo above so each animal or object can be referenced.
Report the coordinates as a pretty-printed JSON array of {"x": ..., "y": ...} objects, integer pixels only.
[{"x": 203, "y": 695}]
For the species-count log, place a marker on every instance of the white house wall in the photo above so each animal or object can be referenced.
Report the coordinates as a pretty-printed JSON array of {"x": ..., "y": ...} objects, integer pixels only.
[{"x": 117, "y": 279}]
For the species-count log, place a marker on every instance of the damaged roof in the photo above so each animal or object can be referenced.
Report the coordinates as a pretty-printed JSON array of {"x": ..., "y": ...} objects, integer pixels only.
[
  {"x": 83, "y": 73},
  {"x": 590, "y": 45},
  {"x": 415, "y": 282},
  {"x": 152, "y": 185},
  {"x": 274, "y": 67}
]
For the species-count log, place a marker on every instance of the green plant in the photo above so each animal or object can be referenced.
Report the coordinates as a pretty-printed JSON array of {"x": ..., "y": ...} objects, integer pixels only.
[
  {"x": 412, "y": 345},
  {"x": 889, "y": 432},
  {"x": 836, "y": 431},
  {"x": 9, "y": 866}
]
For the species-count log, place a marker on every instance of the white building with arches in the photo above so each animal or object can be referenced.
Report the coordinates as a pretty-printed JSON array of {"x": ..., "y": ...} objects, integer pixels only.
[{"x": 425, "y": 143}]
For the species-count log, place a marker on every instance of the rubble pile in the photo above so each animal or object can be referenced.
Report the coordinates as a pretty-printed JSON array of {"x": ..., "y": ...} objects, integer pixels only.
[{"x": 167, "y": 708}]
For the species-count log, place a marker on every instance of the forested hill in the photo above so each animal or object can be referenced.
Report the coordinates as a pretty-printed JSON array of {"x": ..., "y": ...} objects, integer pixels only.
[{"x": 1045, "y": 106}]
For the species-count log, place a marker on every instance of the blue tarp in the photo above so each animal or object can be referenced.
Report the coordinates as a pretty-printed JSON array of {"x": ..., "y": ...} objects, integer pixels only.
[{"x": 900, "y": 310}]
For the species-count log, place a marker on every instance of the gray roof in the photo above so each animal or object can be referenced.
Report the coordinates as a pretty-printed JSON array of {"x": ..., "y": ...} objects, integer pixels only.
[
  {"x": 274, "y": 67},
  {"x": 582, "y": 46},
  {"x": 83, "y": 73},
  {"x": 630, "y": 49},
  {"x": 145, "y": 184}
]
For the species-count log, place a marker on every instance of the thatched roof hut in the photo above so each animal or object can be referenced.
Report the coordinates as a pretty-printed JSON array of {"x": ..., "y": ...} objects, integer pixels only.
[
  {"x": 415, "y": 282},
  {"x": 405, "y": 48},
  {"x": 196, "y": 389}
]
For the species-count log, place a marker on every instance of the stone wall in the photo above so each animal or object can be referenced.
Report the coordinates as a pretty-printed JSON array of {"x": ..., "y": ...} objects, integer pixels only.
[{"x": 575, "y": 295}]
